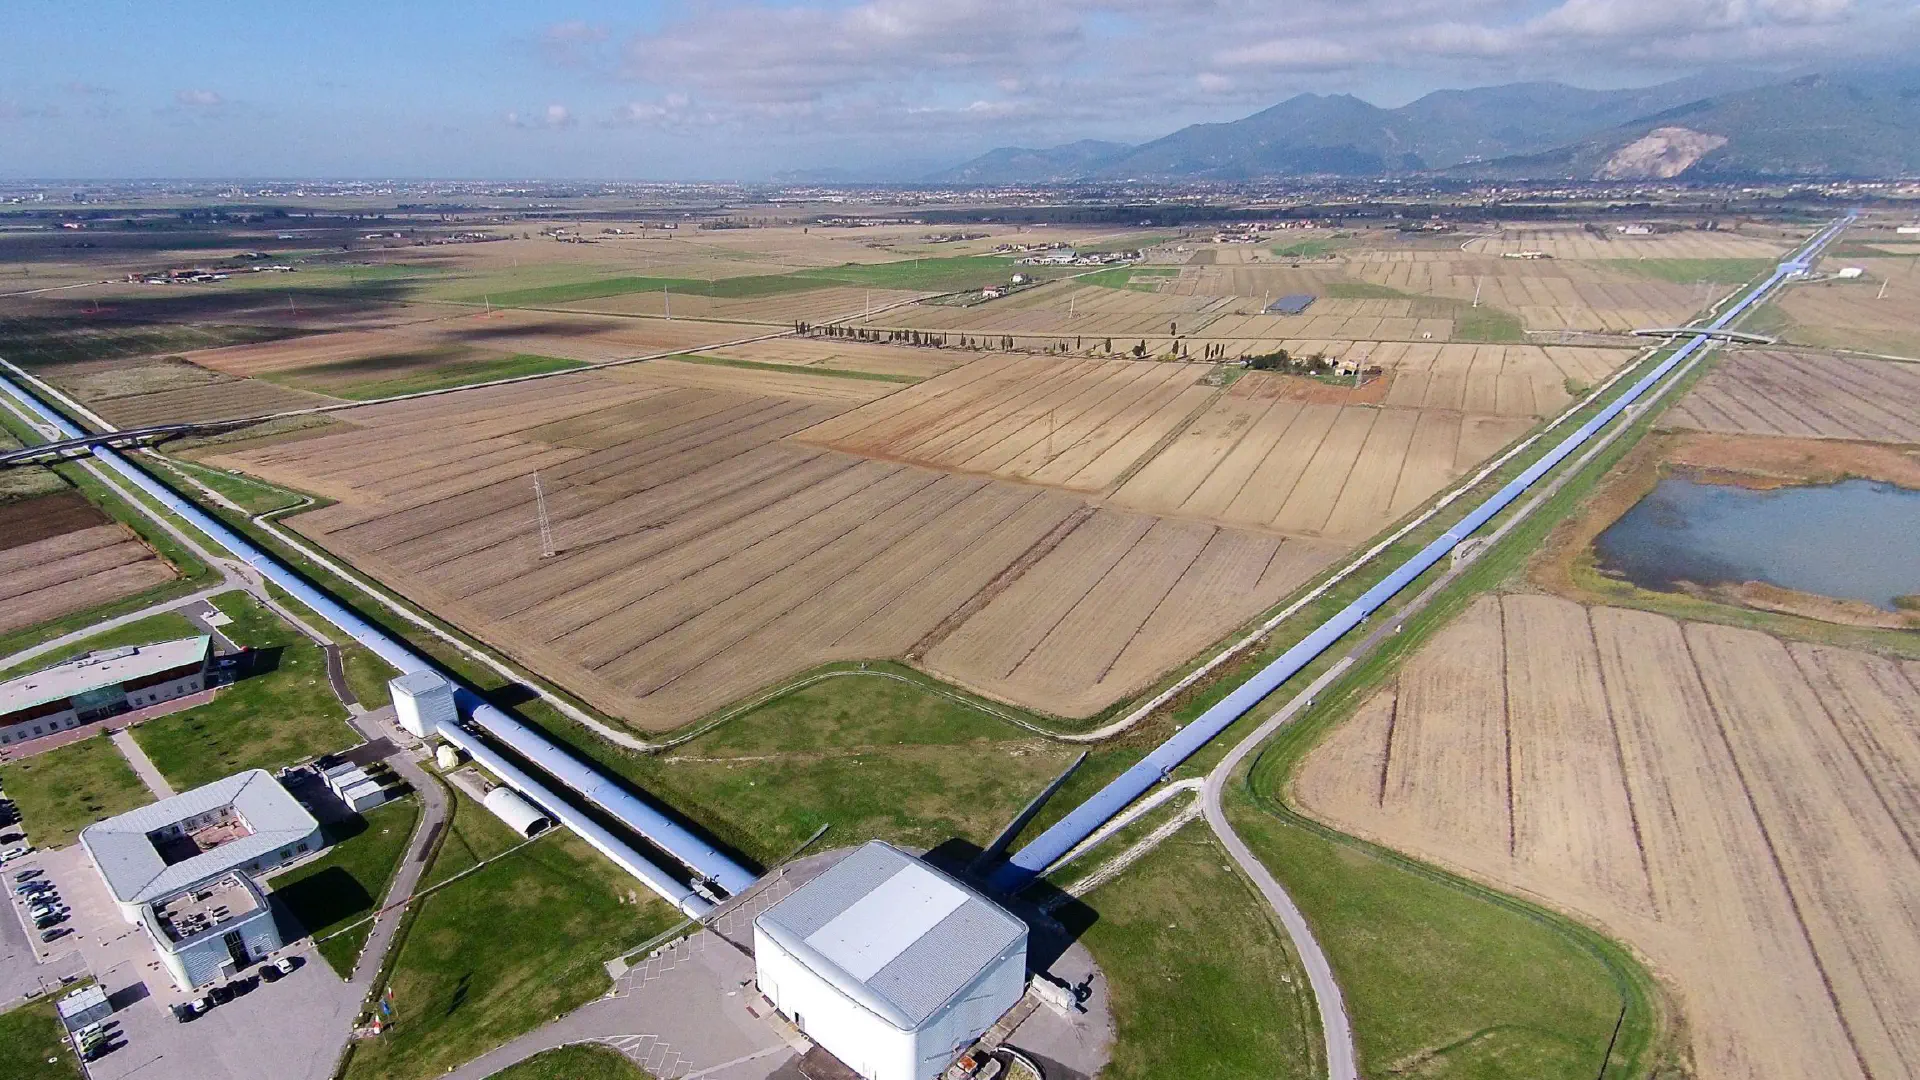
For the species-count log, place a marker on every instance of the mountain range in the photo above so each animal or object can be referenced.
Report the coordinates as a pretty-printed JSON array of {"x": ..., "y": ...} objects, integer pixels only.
[{"x": 1734, "y": 125}]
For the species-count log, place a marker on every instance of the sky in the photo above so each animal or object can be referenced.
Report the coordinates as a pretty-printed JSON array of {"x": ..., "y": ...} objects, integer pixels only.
[{"x": 751, "y": 89}]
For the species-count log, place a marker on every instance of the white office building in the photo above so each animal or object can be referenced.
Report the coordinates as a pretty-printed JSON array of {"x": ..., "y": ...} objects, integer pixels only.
[
  {"x": 101, "y": 684},
  {"x": 182, "y": 870},
  {"x": 890, "y": 965}
]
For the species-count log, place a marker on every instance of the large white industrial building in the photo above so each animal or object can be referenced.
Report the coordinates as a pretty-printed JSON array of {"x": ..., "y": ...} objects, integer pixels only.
[
  {"x": 890, "y": 965},
  {"x": 182, "y": 870}
]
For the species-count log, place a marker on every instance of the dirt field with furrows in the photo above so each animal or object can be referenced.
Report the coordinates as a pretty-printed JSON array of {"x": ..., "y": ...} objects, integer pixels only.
[
  {"x": 1260, "y": 456},
  {"x": 574, "y": 337},
  {"x": 797, "y": 383},
  {"x": 1741, "y": 810},
  {"x": 138, "y": 393},
  {"x": 780, "y": 309},
  {"x": 1804, "y": 396},
  {"x": 1069, "y": 422},
  {"x": 1855, "y": 314},
  {"x": 836, "y": 355},
  {"x": 1545, "y": 294},
  {"x": 58, "y": 555},
  {"x": 703, "y": 553},
  {"x": 1573, "y": 242}
]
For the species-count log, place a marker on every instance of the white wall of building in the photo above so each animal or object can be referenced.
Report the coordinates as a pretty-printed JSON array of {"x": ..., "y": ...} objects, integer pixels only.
[
  {"x": 865, "y": 1041},
  {"x": 68, "y": 718}
]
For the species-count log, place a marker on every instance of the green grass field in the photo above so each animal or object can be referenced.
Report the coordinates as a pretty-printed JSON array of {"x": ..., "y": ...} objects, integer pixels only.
[
  {"x": 63, "y": 790},
  {"x": 252, "y": 494},
  {"x": 1201, "y": 982},
  {"x": 1689, "y": 271},
  {"x": 373, "y": 377},
  {"x": 350, "y": 880},
  {"x": 33, "y": 1045},
  {"x": 166, "y": 626},
  {"x": 1305, "y": 249},
  {"x": 505, "y": 949},
  {"x": 583, "y": 1061},
  {"x": 756, "y": 365},
  {"x": 1136, "y": 278},
  {"x": 267, "y": 720}
]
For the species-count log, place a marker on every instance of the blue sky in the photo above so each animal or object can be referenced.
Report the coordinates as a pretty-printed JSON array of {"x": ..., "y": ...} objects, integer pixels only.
[{"x": 739, "y": 89}]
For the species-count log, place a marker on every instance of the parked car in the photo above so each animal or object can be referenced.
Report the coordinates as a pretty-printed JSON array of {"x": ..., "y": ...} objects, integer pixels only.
[
  {"x": 28, "y": 874},
  {"x": 285, "y": 965},
  {"x": 189, "y": 1010},
  {"x": 54, "y": 934},
  {"x": 220, "y": 995}
]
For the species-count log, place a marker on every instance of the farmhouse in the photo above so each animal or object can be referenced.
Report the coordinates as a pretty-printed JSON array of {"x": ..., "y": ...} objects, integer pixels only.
[
  {"x": 99, "y": 685},
  {"x": 181, "y": 870},
  {"x": 890, "y": 965}
]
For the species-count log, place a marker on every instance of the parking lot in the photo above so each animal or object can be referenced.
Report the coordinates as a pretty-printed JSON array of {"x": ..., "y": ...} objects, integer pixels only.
[{"x": 295, "y": 1027}]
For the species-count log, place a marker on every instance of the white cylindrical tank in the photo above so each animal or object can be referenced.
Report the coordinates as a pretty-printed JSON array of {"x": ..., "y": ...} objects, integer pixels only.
[
  {"x": 519, "y": 814},
  {"x": 423, "y": 701},
  {"x": 447, "y": 757}
]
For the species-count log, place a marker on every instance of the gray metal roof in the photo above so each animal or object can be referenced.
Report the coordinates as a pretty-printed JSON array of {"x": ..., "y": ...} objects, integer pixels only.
[
  {"x": 107, "y": 667},
  {"x": 893, "y": 933},
  {"x": 133, "y": 868},
  {"x": 1292, "y": 304}
]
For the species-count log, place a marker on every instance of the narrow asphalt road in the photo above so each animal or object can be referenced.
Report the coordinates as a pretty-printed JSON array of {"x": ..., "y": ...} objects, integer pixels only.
[
  {"x": 1334, "y": 1025},
  {"x": 433, "y": 818}
]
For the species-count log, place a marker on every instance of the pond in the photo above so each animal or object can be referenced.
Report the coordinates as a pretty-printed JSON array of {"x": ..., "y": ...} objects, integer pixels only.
[{"x": 1855, "y": 540}]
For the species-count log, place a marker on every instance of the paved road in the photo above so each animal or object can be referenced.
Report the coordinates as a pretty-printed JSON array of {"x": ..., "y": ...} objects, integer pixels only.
[{"x": 1334, "y": 1025}]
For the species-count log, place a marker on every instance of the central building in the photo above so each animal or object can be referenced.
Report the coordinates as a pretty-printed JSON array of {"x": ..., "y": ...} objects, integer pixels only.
[{"x": 890, "y": 965}]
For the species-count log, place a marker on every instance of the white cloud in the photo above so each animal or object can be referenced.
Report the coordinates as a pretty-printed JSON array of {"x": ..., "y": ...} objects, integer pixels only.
[
  {"x": 552, "y": 117},
  {"x": 198, "y": 99},
  {"x": 887, "y": 68}
]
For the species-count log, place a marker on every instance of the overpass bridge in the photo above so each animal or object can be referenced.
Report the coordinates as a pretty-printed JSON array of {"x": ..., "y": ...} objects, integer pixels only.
[
  {"x": 1738, "y": 337},
  {"x": 127, "y": 438}
]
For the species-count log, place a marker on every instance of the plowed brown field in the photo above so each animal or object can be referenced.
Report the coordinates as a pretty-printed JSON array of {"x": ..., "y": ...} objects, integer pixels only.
[
  {"x": 72, "y": 569},
  {"x": 1741, "y": 810},
  {"x": 703, "y": 553},
  {"x": 1794, "y": 394}
]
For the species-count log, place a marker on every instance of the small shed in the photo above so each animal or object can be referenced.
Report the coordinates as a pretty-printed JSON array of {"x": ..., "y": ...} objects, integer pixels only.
[{"x": 1291, "y": 304}]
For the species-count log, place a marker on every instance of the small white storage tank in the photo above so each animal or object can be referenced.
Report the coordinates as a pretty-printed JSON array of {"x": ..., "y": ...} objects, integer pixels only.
[
  {"x": 423, "y": 702},
  {"x": 518, "y": 813},
  {"x": 447, "y": 756}
]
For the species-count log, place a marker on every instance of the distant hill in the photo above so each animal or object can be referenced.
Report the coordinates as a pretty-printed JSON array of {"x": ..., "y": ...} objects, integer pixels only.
[
  {"x": 1731, "y": 124},
  {"x": 1861, "y": 125},
  {"x": 1019, "y": 165}
]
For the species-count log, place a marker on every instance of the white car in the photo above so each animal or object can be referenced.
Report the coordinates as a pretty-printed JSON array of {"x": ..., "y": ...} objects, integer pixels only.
[{"x": 284, "y": 965}]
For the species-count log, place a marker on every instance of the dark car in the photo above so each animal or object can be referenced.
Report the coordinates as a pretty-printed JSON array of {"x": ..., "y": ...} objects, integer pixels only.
[
  {"x": 220, "y": 995},
  {"x": 54, "y": 934}
]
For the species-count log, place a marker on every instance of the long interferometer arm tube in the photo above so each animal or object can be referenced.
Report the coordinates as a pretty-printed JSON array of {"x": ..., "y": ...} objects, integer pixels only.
[
  {"x": 696, "y": 854},
  {"x": 1034, "y": 859}
]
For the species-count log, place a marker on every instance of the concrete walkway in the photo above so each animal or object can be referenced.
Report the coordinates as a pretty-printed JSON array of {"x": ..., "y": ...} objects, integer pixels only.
[{"x": 142, "y": 765}]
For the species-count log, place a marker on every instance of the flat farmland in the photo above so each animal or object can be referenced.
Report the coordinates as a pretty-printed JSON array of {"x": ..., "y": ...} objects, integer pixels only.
[
  {"x": 1545, "y": 294},
  {"x": 1804, "y": 396},
  {"x": 1738, "y": 808},
  {"x": 59, "y": 555},
  {"x": 704, "y": 553},
  {"x": 1854, "y": 314},
  {"x": 1573, "y": 242},
  {"x": 142, "y": 392},
  {"x": 1261, "y": 456},
  {"x": 1076, "y": 423},
  {"x": 832, "y": 354},
  {"x": 585, "y": 338},
  {"x": 784, "y": 309},
  {"x": 797, "y": 383}
]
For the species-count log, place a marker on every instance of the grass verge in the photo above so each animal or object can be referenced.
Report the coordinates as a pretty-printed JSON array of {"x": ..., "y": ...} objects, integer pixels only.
[
  {"x": 63, "y": 790},
  {"x": 505, "y": 949},
  {"x": 1201, "y": 982},
  {"x": 581, "y": 1061},
  {"x": 348, "y": 881},
  {"x": 166, "y": 626},
  {"x": 280, "y": 710},
  {"x": 33, "y": 1045},
  {"x": 1693, "y": 271}
]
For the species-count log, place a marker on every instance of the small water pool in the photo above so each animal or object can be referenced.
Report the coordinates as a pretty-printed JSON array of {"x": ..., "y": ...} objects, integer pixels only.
[{"x": 1855, "y": 540}]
